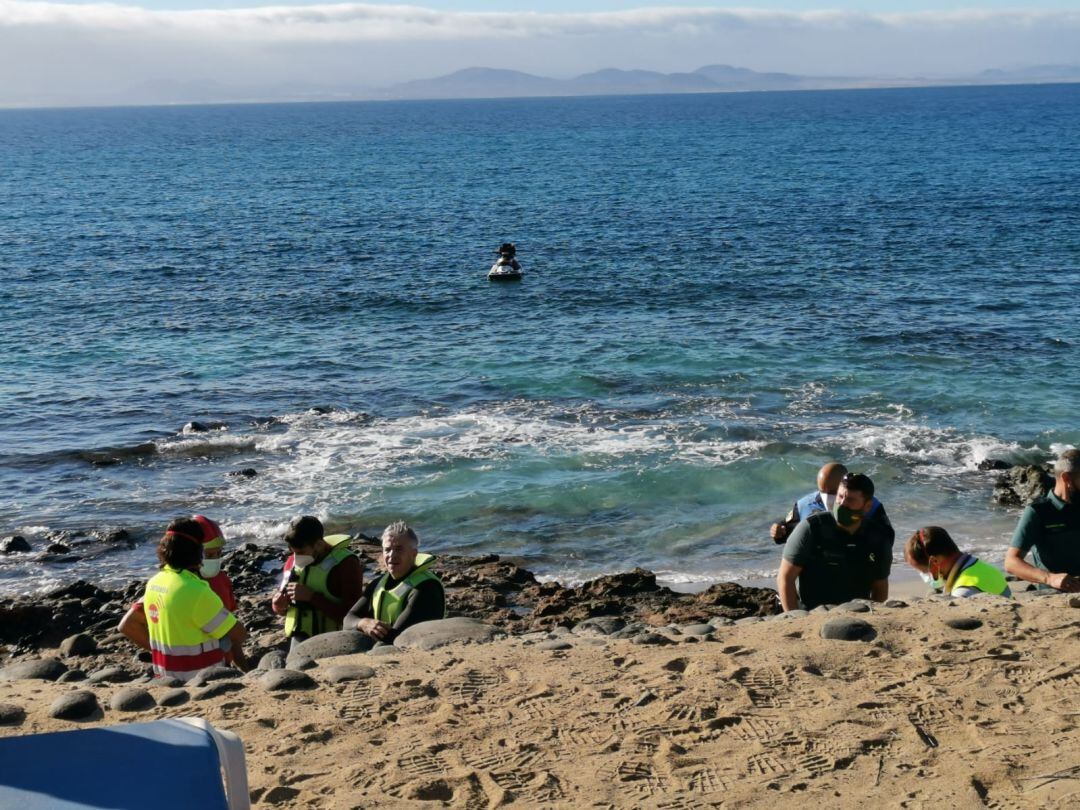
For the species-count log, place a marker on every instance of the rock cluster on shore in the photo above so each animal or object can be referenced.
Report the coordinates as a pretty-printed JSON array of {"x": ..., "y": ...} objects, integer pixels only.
[{"x": 79, "y": 620}]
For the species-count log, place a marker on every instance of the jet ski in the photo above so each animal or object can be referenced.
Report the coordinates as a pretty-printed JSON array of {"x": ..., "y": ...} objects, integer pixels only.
[{"x": 506, "y": 267}]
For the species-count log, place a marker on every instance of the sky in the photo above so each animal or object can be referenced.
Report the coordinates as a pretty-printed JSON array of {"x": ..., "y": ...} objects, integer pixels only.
[{"x": 125, "y": 51}]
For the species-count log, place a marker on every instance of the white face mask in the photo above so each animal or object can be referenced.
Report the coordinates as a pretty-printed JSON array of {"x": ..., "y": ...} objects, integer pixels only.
[
  {"x": 210, "y": 568},
  {"x": 828, "y": 500},
  {"x": 937, "y": 583},
  {"x": 302, "y": 560}
]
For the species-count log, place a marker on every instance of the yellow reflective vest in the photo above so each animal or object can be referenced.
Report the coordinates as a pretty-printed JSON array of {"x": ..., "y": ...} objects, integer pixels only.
[
  {"x": 186, "y": 621},
  {"x": 387, "y": 603},
  {"x": 306, "y": 618}
]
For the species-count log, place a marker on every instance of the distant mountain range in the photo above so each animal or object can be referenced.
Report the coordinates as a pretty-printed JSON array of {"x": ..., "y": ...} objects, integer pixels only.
[{"x": 478, "y": 82}]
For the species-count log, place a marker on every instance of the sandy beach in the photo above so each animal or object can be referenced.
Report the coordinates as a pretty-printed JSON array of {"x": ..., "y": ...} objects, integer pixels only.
[{"x": 760, "y": 712}]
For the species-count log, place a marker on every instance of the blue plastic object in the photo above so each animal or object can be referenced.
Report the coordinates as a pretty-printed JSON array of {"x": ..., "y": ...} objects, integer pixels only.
[{"x": 161, "y": 765}]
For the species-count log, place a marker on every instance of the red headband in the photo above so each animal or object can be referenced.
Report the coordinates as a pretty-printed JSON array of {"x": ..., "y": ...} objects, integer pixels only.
[{"x": 185, "y": 535}]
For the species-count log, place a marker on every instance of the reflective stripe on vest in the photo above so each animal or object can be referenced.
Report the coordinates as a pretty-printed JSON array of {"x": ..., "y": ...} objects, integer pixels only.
[
  {"x": 386, "y": 605},
  {"x": 981, "y": 576},
  {"x": 306, "y": 618},
  {"x": 178, "y": 647}
]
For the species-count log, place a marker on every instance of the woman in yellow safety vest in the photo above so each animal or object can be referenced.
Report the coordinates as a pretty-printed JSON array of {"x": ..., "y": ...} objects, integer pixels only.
[{"x": 939, "y": 560}]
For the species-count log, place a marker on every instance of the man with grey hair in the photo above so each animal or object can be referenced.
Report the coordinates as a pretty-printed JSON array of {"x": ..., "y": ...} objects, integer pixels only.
[
  {"x": 1050, "y": 527},
  {"x": 406, "y": 594}
]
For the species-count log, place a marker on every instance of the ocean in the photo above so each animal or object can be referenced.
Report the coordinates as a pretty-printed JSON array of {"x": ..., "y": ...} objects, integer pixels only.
[{"x": 722, "y": 292}]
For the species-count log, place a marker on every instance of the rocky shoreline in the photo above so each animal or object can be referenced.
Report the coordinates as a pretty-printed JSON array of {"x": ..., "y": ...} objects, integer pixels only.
[{"x": 79, "y": 620}]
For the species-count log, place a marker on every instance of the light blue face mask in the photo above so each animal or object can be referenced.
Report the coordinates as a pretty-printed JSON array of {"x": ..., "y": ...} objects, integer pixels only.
[{"x": 937, "y": 583}]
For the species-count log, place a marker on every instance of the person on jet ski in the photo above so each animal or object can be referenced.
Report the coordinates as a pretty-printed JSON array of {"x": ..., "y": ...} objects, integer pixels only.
[{"x": 507, "y": 251}]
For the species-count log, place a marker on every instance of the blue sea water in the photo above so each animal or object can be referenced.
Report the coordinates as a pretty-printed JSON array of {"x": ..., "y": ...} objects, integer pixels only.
[{"x": 721, "y": 293}]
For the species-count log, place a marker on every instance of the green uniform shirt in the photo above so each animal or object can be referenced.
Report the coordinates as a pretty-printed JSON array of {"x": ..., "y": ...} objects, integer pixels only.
[
  {"x": 837, "y": 566},
  {"x": 1050, "y": 529}
]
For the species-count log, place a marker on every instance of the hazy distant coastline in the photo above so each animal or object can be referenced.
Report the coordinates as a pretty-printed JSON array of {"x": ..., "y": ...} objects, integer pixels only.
[{"x": 483, "y": 82}]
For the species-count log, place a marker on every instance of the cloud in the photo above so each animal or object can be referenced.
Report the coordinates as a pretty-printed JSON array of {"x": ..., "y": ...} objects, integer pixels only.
[
  {"x": 72, "y": 53},
  {"x": 353, "y": 22}
]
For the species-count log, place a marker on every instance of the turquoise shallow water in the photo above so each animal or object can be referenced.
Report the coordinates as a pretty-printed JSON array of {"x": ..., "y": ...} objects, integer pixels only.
[{"x": 722, "y": 292}]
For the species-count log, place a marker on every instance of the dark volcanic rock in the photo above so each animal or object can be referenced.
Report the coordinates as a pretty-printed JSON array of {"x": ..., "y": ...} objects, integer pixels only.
[
  {"x": 72, "y": 676},
  {"x": 15, "y": 544},
  {"x": 993, "y": 464},
  {"x": 848, "y": 630},
  {"x": 132, "y": 699},
  {"x": 38, "y": 669},
  {"x": 79, "y": 705},
  {"x": 280, "y": 680},
  {"x": 11, "y": 715},
  {"x": 247, "y": 472},
  {"x": 1022, "y": 484}
]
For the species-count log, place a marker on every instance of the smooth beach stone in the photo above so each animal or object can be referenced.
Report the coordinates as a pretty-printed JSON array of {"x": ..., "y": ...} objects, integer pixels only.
[
  {"x": 78, "y": 705},
  {"x": 749, "y": 620},
  {"x": 78, "y": 644},
  {"x": 651, "y": 639},
  {"x": 112, "y": 674},
  {"x": 697, "y": 629},
  {"x": 691, "y": 639},
  {"x": 72, "y": 676},
  {"x": 848, "y": 630},
  {"x": 173, "y": 697},
  {"x": 555, "y": 644},
  {"x": 299, "y": 662},
  {"x": 631, "y": 630},
  {"x": 331, "y": 645},
  {"x": 1074, "y": 601},
  {"x": 821, "y": 609},
  {"x": 11, "y": 715},
  {"x": 166, "y": 682},
  {"x": 798, "y": 613},
  {"x": 339, "y": 673},
  {"x": 275, "y": 659},
  {"x": 604, "y": 625},
  {"x": 722, "y": 621},
  {"x": 132, "y": 699},
  {"x": 215, "y": 673},
  {"x": 280, "y": 680},
  {"x": 896, "y": 603},
  {"x": 854, "y": 606},
  {"x": 964, "y": 623},
  {"x": 217, "y": 688},
  {"x": 36, "y": 669},
  {"x": 439, "y": 633}
]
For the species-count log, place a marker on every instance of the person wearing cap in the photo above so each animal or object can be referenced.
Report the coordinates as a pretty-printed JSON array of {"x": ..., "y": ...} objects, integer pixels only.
[
  {"x": 821, "y": 499},
  {"x": 184, "y": 621},
  {"x": 212, "y": 539},
  {"x": 1049, "y": 528},
  {"x": 939, "y": 561},
  {"x": 321, "y": 580},
  {"x": 407, "y": 593},
  {"x": 834, "y": 557}
]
